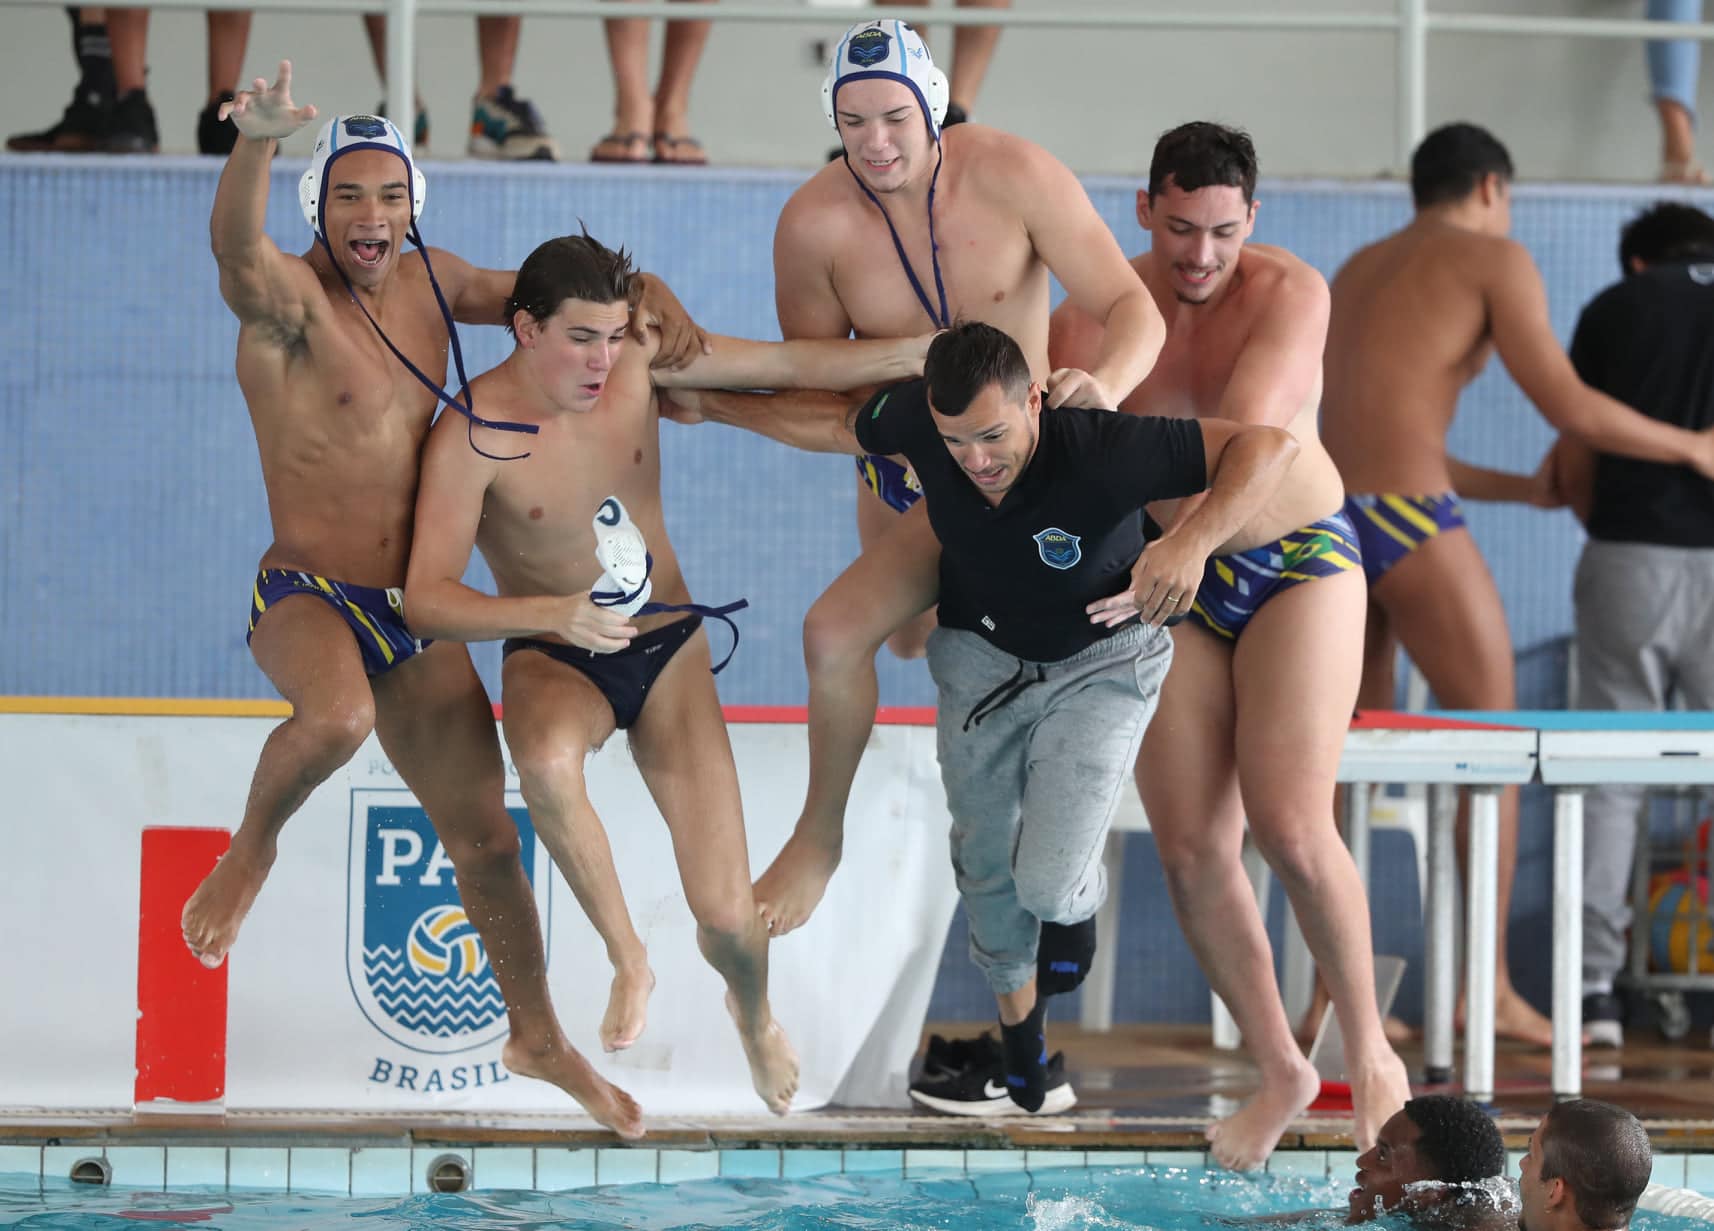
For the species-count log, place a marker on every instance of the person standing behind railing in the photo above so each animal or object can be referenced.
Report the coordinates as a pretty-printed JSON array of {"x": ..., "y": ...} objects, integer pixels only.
[{"x": 1674, "y": 66}]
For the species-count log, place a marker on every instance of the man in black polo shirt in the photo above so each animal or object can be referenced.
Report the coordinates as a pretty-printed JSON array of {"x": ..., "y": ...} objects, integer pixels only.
[
  {"x": 1049, "y": 653},
  {"x": 1644, "y": 593}
]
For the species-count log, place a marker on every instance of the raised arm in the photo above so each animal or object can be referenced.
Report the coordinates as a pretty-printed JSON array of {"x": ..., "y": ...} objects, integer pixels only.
[
  {"x": 455, "y": 482},
  {"x": 809, "y": 419},
  {"x": 1523, "y": 335},
  {"x": 808, "y": 363},
  {"x": 1077, "y": 247},
  {"x": 261, "y": 284}
]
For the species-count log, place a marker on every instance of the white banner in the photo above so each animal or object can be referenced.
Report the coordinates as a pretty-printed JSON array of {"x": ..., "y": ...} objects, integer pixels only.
[{"x": 357, "y": 984}]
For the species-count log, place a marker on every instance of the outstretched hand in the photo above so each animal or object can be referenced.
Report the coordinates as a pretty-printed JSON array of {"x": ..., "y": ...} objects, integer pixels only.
[{"x": 267, "y": 111}]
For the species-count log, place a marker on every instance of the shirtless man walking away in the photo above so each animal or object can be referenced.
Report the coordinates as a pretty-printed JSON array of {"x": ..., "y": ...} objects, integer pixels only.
[
  {"x": 576, "y": 668},
  {"x": 977, "y": 220},
  {"x": 1414, "y": 318},
  {"x": 1254, "y": 712},
  {"x": 339, "y": 425}
]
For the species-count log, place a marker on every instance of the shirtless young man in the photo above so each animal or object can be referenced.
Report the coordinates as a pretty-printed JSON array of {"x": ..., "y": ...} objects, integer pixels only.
[
  {"x": 975, "y": 220},
  {"x": 575, "y": 667},
  {"x": 1254, "y": 713},
  {"x": 1414, "y": 318},
  {"x": 339, "y": 424}
]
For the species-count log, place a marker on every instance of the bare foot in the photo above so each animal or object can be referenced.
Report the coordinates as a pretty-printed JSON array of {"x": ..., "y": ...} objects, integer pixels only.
[
  {"x": 1379, "y": 1088},
  {"x": 627, "y": 1006},
  {"x": 789, "y": 891},
  {"x": 216, "y": 910},
  {"x": 1244, "y": 1139},
  {"x": 1515, "y": 1019},
  {"x": 560, "y": 1064},
  {"x": 773, "y": 1063}
]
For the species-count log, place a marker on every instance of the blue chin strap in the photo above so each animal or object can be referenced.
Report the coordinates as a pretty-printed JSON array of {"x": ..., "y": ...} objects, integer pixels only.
[
  {"x": 619, "y": 598},
  {"x": 943, "y": 318},
  {"x": 466, "y": 407}
]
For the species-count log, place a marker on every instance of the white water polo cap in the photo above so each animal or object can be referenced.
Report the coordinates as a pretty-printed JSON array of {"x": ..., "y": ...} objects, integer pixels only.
[
  {"x": 892, "y": 51},
  {"x": 624, "y": 559},
  {"x": 344, "y": 134}
]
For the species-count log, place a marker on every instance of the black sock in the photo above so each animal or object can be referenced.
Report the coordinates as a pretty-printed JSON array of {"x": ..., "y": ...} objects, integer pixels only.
[
  {"x": 89, "y": 43},
  {"x": 1025, "y": 1051},
  {"x": 1063, "y": 955}
]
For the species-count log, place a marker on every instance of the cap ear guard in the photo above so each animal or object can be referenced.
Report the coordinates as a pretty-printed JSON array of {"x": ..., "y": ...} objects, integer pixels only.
[
  {"x": 341, "y": 135},
  {"x": 910, "y": 63}
]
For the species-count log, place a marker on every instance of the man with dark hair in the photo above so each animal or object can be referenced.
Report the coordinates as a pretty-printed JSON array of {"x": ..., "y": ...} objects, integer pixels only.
[
  {"x": 1414, "y": 317},
  {"x": 1587, "y": 1164},
  {"x": 577, "y": 664},
  {"x": 1434, "y": 1161},
  {"x": 1048, "y": 655},
  {"x": 1644, "y": 593},
  {"x": 1255, "y": 711}
]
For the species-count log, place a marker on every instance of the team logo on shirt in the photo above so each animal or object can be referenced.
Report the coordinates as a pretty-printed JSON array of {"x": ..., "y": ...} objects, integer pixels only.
[{"x": 1058, "y": 549}]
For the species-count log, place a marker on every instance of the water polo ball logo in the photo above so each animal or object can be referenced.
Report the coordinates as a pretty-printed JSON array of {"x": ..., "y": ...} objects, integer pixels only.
[{"x": 443, "y": 944}]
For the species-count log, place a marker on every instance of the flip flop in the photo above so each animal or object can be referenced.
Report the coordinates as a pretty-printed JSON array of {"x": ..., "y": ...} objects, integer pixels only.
[
  {"x": 664, "y": 141},
  {"x": 627, "y": 141}
]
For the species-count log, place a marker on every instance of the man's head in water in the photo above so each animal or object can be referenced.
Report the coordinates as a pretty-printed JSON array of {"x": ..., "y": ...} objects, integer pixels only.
[
  {"x": 886, "y": 99},
  {"x": 1464, "y": 166},
  {"x": 1434, "y": 1140},
  {"x": 1199, "y": 207},
  {"x": 1588, "y": 1162},
  {"x": 570, "y": 311},
  {"x": 362, "y": 192}
]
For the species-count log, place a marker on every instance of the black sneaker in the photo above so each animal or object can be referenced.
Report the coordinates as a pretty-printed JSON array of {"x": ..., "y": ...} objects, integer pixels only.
[
  {"x": 82, "y": 128},
  {"x": 132, "y": 129},
  {"x": 213, "y": 134},
  {"x": 1604, "y": 1020},
  {"x": 944, "y": 1057},
  {"x": 954, "y": 115},
  {"x": 980, "y": 1090}
]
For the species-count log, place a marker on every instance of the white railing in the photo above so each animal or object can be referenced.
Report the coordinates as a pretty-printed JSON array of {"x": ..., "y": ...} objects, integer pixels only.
[{"x": 1411, "y": 22}]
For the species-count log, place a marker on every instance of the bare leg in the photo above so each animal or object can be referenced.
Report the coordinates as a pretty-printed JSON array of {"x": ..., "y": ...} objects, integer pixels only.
[
  {"x": 685, "y": 757},
  {"x": 375, "y": 26},
  {"x": 1296, "y": 678},
  {"x": 228, "y": 36},
  {"x": 1442, "y": 603},
  {"x": 128, "y": 31},
  {"x": 1678, "y": 143},
  {"x": 887, "y": 585},
  {"x": 633, "y": 105},
  {"x": 435, "y": 724},
  {"x": 497, "y": 52},
  {"x": 554, "y": 718},
  {"x": 308, "y": 654},
  {"x": 671, "y": 125},
  {"x": 908, "y": 639},
  {"x": 1188, "y": 775},
  {"x": 972, "y": 52}
]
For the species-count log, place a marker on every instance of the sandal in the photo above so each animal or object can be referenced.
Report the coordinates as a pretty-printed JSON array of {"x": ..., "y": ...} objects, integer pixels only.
[
  {"x": 633, "y": 146},
  {"x": 665, "y": 143}
]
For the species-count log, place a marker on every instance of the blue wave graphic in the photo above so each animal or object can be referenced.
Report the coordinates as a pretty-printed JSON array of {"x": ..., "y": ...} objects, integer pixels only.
[{"x": 432, "y": 1005}]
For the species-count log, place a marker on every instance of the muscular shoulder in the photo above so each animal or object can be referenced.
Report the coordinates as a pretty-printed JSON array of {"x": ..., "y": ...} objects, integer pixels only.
[
  {"x": 819, "y": 212},
  {"x": 1003, "y": 164},
  {"x": 1282, "y": 281}
]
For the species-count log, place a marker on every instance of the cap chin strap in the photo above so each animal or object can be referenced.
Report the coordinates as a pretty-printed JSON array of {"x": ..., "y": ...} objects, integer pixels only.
[
  {"x": 943, "y": 318},
  {"x": 619, "y": 598},
  {"x": 467, "y": 407}
]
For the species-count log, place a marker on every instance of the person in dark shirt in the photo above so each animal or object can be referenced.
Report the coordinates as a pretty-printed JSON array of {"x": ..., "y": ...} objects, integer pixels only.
[
  {"x": 1049, "y": 651},
  {"x": 1644, "y": 591}
]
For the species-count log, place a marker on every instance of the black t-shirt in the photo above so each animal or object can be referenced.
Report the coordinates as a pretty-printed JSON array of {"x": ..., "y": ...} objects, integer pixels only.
[
  {"x": 1021, "y": 573},
  {"x": 1649, "y": 341}
]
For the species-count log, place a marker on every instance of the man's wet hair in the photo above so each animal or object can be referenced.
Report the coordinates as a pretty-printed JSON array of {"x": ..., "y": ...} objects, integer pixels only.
[
  {"x": 1202, "y": 154},
  {"x": 570, "y": 267},
  {"x": 966, "y": 359},
  {"x": 1452, "y": 160},
  {"x": 1602, "y": 1154},
  {"x": 1668, "y": 232},
  {"x": 1459, "y": 1140}
]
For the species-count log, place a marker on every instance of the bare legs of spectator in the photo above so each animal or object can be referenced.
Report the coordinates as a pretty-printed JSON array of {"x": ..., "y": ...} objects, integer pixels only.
[
  {"x": 660, "y": 118},
  {"x": 1674, "y": 66},
  {"x": 972, "y": 52}
]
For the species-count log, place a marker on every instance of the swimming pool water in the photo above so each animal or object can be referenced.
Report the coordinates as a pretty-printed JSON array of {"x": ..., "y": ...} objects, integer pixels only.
[{"x": 1155, "y": 1197}]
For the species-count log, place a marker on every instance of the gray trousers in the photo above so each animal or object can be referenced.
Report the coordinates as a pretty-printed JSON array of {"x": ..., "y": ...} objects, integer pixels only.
[
  {"x": 1033, "y": 757},
  {"x": 1645, "y": 635}
]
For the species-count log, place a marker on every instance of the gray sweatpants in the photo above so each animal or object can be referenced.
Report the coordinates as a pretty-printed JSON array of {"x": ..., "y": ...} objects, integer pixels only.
[
  {"x": 1033, "y": 757},
  {"x": 1645, "y": 634}
]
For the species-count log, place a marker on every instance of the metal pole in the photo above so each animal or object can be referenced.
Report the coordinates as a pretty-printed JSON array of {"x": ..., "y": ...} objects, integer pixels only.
[
  {"x": 1440, "y": 940},
  {"x": 1480, "y": 931},
  {"x": 402, "y": 66},
  {"x": 1567, "y": 943},
  {"x": 1413, "y": 80}
]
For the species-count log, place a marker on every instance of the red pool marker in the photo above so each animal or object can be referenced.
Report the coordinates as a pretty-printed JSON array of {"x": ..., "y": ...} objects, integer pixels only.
[{"x": 181, "y": 1004}]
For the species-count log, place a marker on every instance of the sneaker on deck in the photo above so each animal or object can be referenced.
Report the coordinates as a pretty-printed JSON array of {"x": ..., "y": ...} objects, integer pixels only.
[
  {"x": 213, "y": 134},
  {"x": 508, "y": 127},
  {"x": 980, "y": 1090},
  {"x": 131, "y": 128},
  {"x": 82, "y": 128},
  {"x": 1603, "y": 1020}
]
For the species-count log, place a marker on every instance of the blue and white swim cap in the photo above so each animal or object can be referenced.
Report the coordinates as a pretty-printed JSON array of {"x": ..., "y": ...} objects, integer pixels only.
[
  {"x": 891, "y": 50},
  {"x": 342, "y": 135}
]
